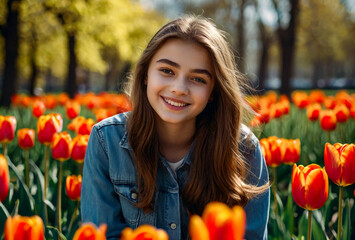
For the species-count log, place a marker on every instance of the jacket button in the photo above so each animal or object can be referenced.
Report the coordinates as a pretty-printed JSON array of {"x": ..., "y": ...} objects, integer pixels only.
[
  {"x": 134, "y": 195},
  {"x": 173, "y": 226}
]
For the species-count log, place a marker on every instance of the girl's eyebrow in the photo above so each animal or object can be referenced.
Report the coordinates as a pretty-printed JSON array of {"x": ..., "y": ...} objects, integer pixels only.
[{"x": 174, "y": 64}]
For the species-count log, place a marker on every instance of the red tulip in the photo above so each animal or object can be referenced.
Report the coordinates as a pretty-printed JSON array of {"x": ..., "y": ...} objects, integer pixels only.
[
  {"x": 300, "y": 99},
  {"x": 339, "y": 161},
  {"x": 47, "y": 125},
  {"x": 72, "y": 109},
  {"x": 78, "y": 147},
  {"x": 81, "y": 125},
  {"x": 328, "y": 120},
  {"x": 24, "y": 228},
  {"x": 220, "y": 222},
  {"x": 144, "y": 232},
  {"x": 313, "y": 111},
  {"x": 7, "y": 128},
  {"x": 88, "y": 231},
  {"x": 310, "y": 186},
  {"x": 272, "y": 151},
  {"x": 26, "y": 138},
  {"x": 4, "y": 178},
  {"x": 330, "y": 102},
  {"x": 291, "y": 151},
  {"x": 341, "y": 113},
  {"x": 73, "y": 187},
  {"x": 38, "y": 108},
  {"x": 317, "y": 96},
  {"x": 61, "y": 146}
]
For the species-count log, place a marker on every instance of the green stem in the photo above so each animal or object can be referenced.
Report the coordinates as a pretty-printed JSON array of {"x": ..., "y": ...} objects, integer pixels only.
[
  {"x": 75, "y": 214},
  {"x": 46, "y": 160},
  {"x": 59, "y": 199},
  {"x": 309, "y": 232},
  {"x": 4, "y": 149},
  {"x": 27, "y": 154},
  {"x": 274, "y": 186},
  {"x": 340, "y": 211},
  {"x": 328, "y": 136}
]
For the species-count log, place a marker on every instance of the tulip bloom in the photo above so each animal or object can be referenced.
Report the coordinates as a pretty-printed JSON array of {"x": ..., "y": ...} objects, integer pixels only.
[
  {"x": 78, "y": 147},
  {"x": 72, "y": 109},
  {"x": 310, "y": 186},
  {"x": 38, "y": 108},
  {"x": 291, "y": 151},
  {"x": 328, "y": 120},
  {"x": 47, "y": 125},
  {"x": 26, "y": 138},
  {"x": 88, "y": 231},
  {"x": 24, "y": 228},
  {"x": 339, "y": 163},
  {"x": 61, "y": 146},
  {"x": 7, "y": 128},
  {"x": 342, "y": 113},
  {"x": 144, "y": 232},
  {"x": 81, "y": 125},
  {"x": 4, "y": 178},
  {"x": 218, "y": 222},
  {"x": 300, "y": 99},
  {"x": 73, "y": 187},
  {"x": 272, "y": 151},
  {"x": 313, "y": 111}
]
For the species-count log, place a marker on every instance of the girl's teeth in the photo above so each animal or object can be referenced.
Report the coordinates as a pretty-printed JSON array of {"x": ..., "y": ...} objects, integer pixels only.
[{"x": 176, "y": 104}]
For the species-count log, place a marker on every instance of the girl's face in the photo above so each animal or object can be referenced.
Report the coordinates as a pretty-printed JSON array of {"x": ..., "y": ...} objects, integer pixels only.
[{"x": 180, "y": 81}]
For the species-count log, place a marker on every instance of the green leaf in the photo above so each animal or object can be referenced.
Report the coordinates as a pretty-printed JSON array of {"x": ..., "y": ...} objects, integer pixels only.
[
  {"x": 346, "y": 221},
  {"x": 27, "y": 200},
  {"x": 60, "y": 234},
  {"x": 288, "y": 214},
  {"x": 318, "y": 229},
  {"x": 302, "y": 225}
]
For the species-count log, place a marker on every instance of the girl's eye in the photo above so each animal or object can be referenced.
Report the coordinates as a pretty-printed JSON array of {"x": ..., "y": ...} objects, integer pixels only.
[
  {"x": 199, "y": 80},
  {"x": 166, "y": 71}
]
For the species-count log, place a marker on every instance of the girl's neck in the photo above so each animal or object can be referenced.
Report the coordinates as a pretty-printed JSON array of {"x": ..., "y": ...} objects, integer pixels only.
[{"x": 175, "y": 140}]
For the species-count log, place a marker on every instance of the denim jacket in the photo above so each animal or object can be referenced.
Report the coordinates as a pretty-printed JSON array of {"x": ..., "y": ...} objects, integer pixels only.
[{"x": 109, "y": 188}]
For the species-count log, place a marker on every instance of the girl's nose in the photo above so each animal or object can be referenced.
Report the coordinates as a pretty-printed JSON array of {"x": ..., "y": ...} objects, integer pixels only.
[{"x": 179, "y": 86}]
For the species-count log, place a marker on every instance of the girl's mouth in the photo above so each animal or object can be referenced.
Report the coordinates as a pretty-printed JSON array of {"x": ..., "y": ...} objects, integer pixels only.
[{"x": 174, "y": 103}]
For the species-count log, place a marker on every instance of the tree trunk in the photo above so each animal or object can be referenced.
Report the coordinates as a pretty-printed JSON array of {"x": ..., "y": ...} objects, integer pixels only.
[
  {"x": 112, "y": 72},
  {"x": 11, "y": 37},
  {"x": 264, "y": 56},
  {"x": 34, "y": 72},
  {"x": 316, "y": 74},
  {"x": 287, "y": 40},
  {"x": 71, "y": 84}
]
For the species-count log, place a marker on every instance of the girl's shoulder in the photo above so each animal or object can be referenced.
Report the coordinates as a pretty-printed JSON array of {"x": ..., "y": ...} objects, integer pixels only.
[
  {"x": 118, "y": 119},
  {"x": 247, "y": 138}
]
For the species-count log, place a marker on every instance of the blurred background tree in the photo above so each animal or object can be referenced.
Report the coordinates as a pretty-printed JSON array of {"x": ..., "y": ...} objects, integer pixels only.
[
  {"x": 91, "y": 45},
  {"x": 64, "y": 42}
]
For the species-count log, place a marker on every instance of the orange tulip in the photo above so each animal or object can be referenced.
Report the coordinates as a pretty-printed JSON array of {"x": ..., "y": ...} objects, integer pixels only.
[
  {"x": 339, "y": 163},
  {"x": 272, "y": 151},
  {"x": 313, "y": 111},
  {"x": 144, "y": 232},
  {"x": 50, "y": 101},
  {"x": 26, "y": 138},
  {"x": 4, "y": 178},
  {"x": 300, "y": 99},
  {"x": 88, "y": 231},
  {"x": 328, "y": 120},
  {"x": 342, "y": 113},
  {"x": 63, "y": 98},
  {"x": 73, "y": 187},
  {"x": 330, "y": 102},
  {"x": 352, "y": 111},
  {"x": 81, "y": 125},
  {"x": 72, "y": 109},
  {"x": 291, "y": 151},
  {"x": 47, "y": 125},
  {"x": 78, "y": 147},
  {"x": 310, "y": 186},
  {"x": 317, "y": 96},
  {"x": 7, "y": 128},
  {"x": 218, "y": 222},
  {"x": 344, "y": 97},
  {"x": 61, "y": 146},
  {"x": 38, "y": 108},
  {"x": 24, "y": 228}
]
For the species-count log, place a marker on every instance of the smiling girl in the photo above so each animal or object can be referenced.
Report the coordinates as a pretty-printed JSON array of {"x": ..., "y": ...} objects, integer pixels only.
[{"x": 182, "y": 146}]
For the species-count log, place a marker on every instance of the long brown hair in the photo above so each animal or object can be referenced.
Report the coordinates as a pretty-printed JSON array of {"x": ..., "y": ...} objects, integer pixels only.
[{"x": 218, "y": 170}]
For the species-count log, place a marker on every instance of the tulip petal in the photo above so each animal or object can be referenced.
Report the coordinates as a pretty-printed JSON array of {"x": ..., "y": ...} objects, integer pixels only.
[
  {"x": 332, "y": 163},
  {"x": 348, "y": 161},
  {"x": 317, "y": 189},
  {"x": 198, "y": 229},
  {"x": 298, "y": 186}
]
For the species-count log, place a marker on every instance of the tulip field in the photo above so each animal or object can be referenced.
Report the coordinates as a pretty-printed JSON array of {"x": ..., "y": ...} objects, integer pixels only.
[{"x": 307, "y": 140}]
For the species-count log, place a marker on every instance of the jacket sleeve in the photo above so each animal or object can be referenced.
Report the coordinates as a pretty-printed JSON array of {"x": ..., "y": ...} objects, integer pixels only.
[
  {"x": 257, "y": 209},
  {"x": 99, "y": 202}
]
